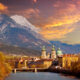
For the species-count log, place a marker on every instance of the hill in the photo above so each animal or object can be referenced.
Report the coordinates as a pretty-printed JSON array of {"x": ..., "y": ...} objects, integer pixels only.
[
  {"x": 7, "y": 49},
  {"x": 15, "y": 34}
]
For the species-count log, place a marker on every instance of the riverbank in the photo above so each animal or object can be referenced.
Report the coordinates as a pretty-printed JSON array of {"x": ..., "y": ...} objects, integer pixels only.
[
  {"x": 64, "y": 71},
  {"x": 54, "y": 70}
]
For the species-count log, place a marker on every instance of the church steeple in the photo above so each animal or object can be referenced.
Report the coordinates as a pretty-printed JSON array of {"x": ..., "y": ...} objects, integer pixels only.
[
  {"x": 53, "y": 52},
  {"x": 43, "y": 56},
  {"x": 59, "y": 52},
  {"x": 43, "y": 48},
  {"x": 53, "y": 48}
]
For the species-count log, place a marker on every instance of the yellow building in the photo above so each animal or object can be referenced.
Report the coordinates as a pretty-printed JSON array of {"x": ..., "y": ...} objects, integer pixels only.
[
  {"x": 67, "y": 60},
  {"x": 47, "y": 62},
  {"x": 48, "y": 56}
]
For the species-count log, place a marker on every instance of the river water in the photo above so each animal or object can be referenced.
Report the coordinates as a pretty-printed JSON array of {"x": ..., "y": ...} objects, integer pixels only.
[{"x": 38, "y": 76}]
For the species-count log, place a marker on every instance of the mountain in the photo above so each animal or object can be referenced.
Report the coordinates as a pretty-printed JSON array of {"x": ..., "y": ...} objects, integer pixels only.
[
  {"x": 8, "y": 49},
  {"x": 13, "y": 33},
  {"x": 24, "y": 22},
  {"x": 66, "y": 48}
]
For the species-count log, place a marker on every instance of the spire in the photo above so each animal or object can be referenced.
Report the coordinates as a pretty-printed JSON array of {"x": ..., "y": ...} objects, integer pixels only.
[
  {"x": 53, "y": 48},
  {"x": 43, "y": 48}
]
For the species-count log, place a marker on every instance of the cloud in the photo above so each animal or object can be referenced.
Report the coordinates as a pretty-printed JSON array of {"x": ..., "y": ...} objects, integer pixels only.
[
  {"x": 31, "y": 12},
  {"x": 60, "y": 24},
  {"x": 62, "y": 21},
  {"x": 3, "y": 7},
  {"x": 78, "y": 2},
  {"x": 28, "y": 13},
  {"x": 73, "y": 37},
  {"x": 34, "y": 1},
  {"x": 57, "y": 29},
  {"x": 56, "y": 33}
]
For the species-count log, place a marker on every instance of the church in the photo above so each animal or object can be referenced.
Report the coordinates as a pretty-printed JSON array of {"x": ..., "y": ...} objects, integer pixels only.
[{"x": 53, "y": 55}]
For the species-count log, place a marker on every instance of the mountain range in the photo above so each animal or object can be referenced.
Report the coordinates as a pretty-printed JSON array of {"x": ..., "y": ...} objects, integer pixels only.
[
  {"x": 66, "y": 48},
  {"x": 13, "y": 33},
  {"x": 19, "y": 32}
]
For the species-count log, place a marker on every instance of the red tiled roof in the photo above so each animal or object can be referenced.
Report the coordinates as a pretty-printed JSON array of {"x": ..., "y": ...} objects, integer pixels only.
[
  {"x": 69, "y": 55},
  {"x": 46, "y": 60}
]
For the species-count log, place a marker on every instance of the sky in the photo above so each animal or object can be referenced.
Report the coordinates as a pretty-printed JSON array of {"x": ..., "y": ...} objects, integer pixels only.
[{"x": 58, "y": 19}]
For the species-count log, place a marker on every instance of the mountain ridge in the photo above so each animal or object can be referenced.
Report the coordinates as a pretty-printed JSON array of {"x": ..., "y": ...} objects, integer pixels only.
[
  {"x": 67, "y": 48},
  {"x": 15, "y": 34}
]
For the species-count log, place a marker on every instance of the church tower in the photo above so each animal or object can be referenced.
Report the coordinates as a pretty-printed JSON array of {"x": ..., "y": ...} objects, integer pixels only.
[
  {"x": 59, "y": 52},
  {"x": 43, "y": 55},
  {"x": 53, "y": 53}
]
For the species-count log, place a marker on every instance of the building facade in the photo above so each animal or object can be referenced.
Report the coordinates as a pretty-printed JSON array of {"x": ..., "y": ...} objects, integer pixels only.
[
  {"x": 59, "y": 53},
  {"x": 43, "y": 53},
  {"x": 67, "y": 60},
  {"x": 53, "y": 53}
]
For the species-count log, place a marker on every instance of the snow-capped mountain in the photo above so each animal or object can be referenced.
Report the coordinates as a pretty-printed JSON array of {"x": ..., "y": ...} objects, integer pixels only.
[
  {"x": 27, "y": 25},
  {"x": 24, "y": 22},
  {"x": 13, "y": 33}
]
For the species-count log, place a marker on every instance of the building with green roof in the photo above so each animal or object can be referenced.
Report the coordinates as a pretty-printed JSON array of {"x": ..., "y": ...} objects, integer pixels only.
[
  {"x": 53, "y": 52},
  {"x": 43, "y": 55},
  {"x": 59, "y": 52}
]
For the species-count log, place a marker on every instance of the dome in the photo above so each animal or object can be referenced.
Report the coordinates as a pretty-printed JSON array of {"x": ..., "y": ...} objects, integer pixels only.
[
  {"x": 59, "y": 52},
  {"x": 53, "y": 48},
  {"x": 43, "y": 48}
]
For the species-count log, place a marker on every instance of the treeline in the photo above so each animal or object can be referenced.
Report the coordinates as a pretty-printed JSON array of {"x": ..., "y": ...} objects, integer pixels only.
[{"x": 5, "y": 69}]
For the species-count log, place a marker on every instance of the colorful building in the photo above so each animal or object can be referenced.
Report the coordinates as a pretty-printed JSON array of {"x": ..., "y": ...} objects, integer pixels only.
[
  {"x": 66, "y": 60},
  {"x": 59, "y": 53},
  {"x": 43, "y": 63},
  {"x": 48, "y": 56}
]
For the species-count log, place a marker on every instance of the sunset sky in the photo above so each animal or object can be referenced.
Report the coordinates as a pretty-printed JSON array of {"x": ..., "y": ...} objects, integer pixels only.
[{"x": 58, "y": 19}]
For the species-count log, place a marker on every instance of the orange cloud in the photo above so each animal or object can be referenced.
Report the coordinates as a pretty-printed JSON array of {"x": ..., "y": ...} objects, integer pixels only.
[
  {"x": 64, "y": 21},
  {"x": 34, "y": 1},
  {"x": 56, "y": 33},
  {"x": 60, "y": 24},
  {"x": 59, "y": 28},
  {"x": 3, "y": 7}
]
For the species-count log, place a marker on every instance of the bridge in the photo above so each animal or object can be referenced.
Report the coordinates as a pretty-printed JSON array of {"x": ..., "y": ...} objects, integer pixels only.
[{"x": 29, "y": 69}]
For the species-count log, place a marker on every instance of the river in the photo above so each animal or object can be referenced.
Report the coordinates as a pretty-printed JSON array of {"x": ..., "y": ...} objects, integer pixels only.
[{"x": 38, "y": 76}]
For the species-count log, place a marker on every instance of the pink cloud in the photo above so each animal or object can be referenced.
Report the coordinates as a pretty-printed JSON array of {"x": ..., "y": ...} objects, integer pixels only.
[
  {"x": 34, "y": 1},
  {"x": 31, "y": 12}
]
